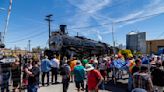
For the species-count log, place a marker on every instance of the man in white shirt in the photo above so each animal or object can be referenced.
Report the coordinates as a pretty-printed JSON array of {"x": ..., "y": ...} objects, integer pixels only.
[{"x": 55, "y": 67}]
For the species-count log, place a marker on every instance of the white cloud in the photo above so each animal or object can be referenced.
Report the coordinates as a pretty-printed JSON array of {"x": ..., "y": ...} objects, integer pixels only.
[
  {"x": 128, "y": 17},
  {"x": 156, "y": 7},
  {"x": 90, "y": 6},
  {"x": 89, "y": 13},
  {"x": 89, "y": 10},
  {"x": 99, "y": 36},
  {"x": 2, "y": 9}
]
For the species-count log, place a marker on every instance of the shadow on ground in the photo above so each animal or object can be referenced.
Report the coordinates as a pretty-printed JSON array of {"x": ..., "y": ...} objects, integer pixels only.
[{"x": 118, "y": 87}]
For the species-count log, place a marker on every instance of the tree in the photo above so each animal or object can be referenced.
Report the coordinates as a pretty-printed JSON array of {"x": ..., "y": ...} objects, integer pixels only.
[
  {"x": 38, "y": 49},
  {"x": 46, "y": 48},
  {"x": 126, "y": 53},
  {"x": 17, "y": 48}
]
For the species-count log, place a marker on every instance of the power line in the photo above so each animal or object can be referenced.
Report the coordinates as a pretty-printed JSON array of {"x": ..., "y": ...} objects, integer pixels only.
[
  {"x": 160, "y": 35},
  {"x": 117, "y": 22},
  {"x": 32, "y": 31},
  {"x": 29, "y": 37},
  {"x": 86, "y": 11}
]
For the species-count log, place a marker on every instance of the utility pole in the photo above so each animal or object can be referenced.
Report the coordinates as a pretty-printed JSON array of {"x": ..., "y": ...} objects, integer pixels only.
[
  {"x": 29, "y": 45},
  {"x": 77, "y": 34},
  {"x": 113, "y": 38},
  {"x": 15, "y": 49},
  {"x": 150, "y": 48},
  {"x": 113, "y": 46},
  {"x": 48, "y": 18}
]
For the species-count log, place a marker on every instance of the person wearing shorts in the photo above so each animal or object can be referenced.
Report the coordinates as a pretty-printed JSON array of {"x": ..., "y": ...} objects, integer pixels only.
[{"x": 79, "y": 76}]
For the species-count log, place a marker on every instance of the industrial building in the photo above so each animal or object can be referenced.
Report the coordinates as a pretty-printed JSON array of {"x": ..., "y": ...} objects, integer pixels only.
[
  {"x": 155, "y": 46},
  {"x": 136, "y": 41}
]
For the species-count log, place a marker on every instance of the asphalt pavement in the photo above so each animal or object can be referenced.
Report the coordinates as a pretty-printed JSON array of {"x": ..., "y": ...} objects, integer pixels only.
[{"x": 120, "y": 86}]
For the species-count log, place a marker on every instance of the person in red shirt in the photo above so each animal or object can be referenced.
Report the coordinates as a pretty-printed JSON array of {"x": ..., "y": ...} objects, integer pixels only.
[{"x": 94, "y": 78}]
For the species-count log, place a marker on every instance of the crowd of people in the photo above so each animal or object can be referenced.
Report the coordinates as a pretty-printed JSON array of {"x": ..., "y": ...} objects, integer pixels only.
[
  {"x": 146, "y": 74},
  {"x": 11, "y": 74}
]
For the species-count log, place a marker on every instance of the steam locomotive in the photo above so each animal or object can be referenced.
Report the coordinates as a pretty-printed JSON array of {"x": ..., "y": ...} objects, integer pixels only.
[{"x": 65, "y": 45}]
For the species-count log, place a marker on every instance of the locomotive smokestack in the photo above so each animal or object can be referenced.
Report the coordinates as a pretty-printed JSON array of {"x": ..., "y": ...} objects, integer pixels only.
[{"x": 62, "y": 28}]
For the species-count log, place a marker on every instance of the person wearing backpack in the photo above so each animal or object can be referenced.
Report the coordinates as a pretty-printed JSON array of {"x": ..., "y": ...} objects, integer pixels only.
[
  {"x": 143, "y": 80},
  {"x": 158, "y": 77},
  {"x": 65, "y": 73}
]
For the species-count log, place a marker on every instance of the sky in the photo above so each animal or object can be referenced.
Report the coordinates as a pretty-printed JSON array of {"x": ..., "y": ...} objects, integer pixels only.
[{"x": 90, "y": 18}]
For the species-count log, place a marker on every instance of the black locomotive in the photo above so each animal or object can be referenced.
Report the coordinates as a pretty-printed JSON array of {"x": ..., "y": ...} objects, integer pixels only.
[{"x": 65, "y": 45}]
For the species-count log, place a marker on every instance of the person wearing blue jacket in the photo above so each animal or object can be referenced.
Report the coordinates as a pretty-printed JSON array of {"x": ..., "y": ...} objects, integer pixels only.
[{"x": 45, "y": 69}]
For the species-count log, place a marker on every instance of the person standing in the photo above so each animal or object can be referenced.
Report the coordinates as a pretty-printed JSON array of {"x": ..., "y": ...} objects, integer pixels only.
[
  {"x": 65, "y": 73},
  {"x": 72, "y": 65},
  {"x": 16, "y": 75},
  {"x": 63, "y": 61},
  {"x": 54, "y": 69},
  {"x": 158, "y": 77},
  {"x": 94, "y": 78},
  {"x": 5, "y": 72},
  {"x": 79, "y": 75},
  {"x": 26, "y": 68},
  {"x": 84, "y": 61},
  {"x": 143, "y": 80},
  {"x": 159, "y": 60},
  {"x": 137, "y": 66},
  {"x": 45, "y": 69},
  {"x": 108, "y": 65},
  {"x": 103, "y": 67},
  {"x": 130, "y": 64},
  {"x": 33, "y": 79}
]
